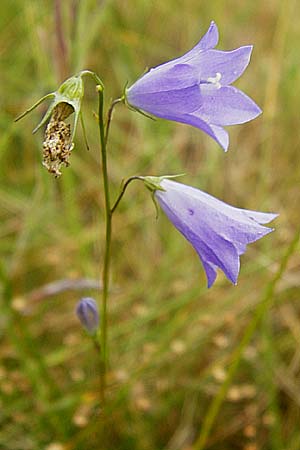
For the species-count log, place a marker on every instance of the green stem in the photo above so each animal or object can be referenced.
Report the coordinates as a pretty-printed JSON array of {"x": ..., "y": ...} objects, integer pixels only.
[
  {"x": 106, "y": 264},
  {"x": 109, "y": 115},
  {"x": 83, "y": 73},
  {"x": 123, "y": 189}
]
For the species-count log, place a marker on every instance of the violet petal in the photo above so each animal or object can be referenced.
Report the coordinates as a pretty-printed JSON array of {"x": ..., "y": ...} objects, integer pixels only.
[
  {"x": 161, "y": 90},
  {"x": 207, "y": 42},
  {"x": 216, "y": 132},
  {"x": 226, "y": 106},
  {"x": 230, "y": 64}
]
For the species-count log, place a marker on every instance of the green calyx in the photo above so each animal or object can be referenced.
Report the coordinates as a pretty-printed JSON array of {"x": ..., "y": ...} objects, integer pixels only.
[
  {"x": 70, "y": 92},
  {"x": 133, "y": 108},
  {"x": 72, "y": 88},
  {"x": 154, "y": 183}
]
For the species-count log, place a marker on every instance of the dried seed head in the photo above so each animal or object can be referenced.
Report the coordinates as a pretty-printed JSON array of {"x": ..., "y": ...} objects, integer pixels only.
[
  {"x": 57, "y": 145},
  {"x": 66, "y": 100},
  {"x": 58, "y": 141}
]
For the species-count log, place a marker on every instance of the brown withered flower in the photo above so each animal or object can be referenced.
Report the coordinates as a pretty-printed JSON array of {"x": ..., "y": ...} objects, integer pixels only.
[
  {"x": 57, "y": 145},
  {"x": 58, "y": 141}
]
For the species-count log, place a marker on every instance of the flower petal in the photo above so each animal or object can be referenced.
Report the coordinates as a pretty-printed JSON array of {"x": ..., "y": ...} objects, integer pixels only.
[
  {"x": 166, "y": 89},
  {"x": 220, "y": 135},
  {"x": 230, "y": 64},
  {"x": 207, "y": 42},
  {"x": 161, "y": 79},
  {"x": 216, "y": 251},
  {"x": 216, "y": 132},
  {"x": 210, "y": 271},
  {"x": 226, "y": 106},
  {"x": 234, "y": 213},
  {"x": 260, "y": 217},
  {"x": 212, "y": 248}
]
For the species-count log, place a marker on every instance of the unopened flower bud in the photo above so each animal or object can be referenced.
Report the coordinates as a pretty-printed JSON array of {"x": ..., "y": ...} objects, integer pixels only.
[{"x": 87, "y": 313}]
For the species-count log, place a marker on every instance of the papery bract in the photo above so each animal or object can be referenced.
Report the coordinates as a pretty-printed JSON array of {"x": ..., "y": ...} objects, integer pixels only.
[
  {"x": 218, "y": 232},
  {"x": 195, "y": 89}
]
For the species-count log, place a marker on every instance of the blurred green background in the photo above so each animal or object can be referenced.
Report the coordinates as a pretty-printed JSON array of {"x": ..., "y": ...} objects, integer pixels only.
[{"x": 190, "y": 368}]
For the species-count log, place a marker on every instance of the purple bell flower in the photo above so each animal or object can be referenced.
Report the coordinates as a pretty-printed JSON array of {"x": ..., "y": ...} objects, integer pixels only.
[
  {"x": 87, "y": 313},
  {"x": 218, "y": 232},
  {"x": 195, "y": 89}
]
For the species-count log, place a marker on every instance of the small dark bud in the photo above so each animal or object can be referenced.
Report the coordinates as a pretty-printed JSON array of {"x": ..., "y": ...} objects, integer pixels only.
[{"x": 87, "y": 313}]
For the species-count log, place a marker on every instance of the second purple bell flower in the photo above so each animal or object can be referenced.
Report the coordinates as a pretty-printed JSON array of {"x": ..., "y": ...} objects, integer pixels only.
[
  {"x": 195, "y": 89},
  {"x": 218, "y": 232}
]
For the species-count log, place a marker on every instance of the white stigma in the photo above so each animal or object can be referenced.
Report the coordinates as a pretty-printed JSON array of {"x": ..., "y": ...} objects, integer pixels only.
[{"x": 215, "y": 80}]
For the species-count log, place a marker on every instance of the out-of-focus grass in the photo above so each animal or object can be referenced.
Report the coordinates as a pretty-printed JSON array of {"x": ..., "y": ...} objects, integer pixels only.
[{"x": 172, "y": 342}]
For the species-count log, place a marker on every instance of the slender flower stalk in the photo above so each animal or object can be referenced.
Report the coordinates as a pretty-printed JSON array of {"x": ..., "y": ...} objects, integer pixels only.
[
  {"x": 107, "y": 252},
  {"x": 123, "y": 190},
  {"x": 109, "y": 115}
]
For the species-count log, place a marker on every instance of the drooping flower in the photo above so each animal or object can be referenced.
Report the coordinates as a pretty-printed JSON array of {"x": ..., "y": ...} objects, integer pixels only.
[
  {"x": 195, "y": 89},
  {"x": 87, "y": 313},
  {"x": 58, "y": 141},
  {"x": 218, "y": 232}
]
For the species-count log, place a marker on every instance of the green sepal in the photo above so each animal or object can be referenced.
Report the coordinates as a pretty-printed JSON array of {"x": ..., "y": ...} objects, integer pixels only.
[
  {"x": 133, "y": 108},
  {"x": 153, "y": 183},
  {"x": 70, "y": 92},
  {"x": 51, "y": 95}
]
